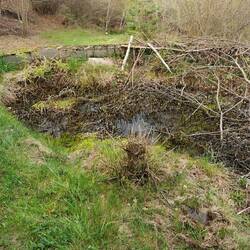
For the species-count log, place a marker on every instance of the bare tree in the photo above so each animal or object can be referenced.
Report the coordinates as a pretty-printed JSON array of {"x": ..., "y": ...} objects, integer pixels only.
[
  {"x": 108, "y": 16},
  {"x": 21, "y": 8},
  {"x": 104, "y": 13}
]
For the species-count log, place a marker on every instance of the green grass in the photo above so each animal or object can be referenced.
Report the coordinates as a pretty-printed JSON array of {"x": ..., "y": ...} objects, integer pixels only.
[
  {"x": 80, "y": 36},
  {"x": 61, "y": 205},
  {"x": 75, "y": 63},
  {"x": 57, "y": 205},
  {"x": 6, "y": 67},
  {"x": 59, "y": 197}
]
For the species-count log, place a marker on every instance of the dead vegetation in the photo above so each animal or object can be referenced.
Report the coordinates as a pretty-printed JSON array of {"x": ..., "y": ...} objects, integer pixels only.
[
  {"x": 107, "y": 14},
  {"x": 202, "y": 105},
  {"x": 227, "y": 18},
  {"x": 37, "y": 152},
  {"x": 9, "y": 26},
  {"x": 15, "y": 9},
  {"x": 138, "y": 165},
  {"x": 46, "y": 7}
]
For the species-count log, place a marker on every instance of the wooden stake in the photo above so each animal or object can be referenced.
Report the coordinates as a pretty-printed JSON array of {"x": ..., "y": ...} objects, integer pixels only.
[{"x": 127, "y": 53}]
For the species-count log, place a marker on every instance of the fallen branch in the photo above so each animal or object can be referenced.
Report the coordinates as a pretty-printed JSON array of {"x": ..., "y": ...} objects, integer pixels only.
[
  {"x": 242, "y": 71},
  {"x": 131, "y": 73},
  {"x": 220, "y": 109},
  {"x": 159, "y": 56},
  {"x": 246, "y": 210}
]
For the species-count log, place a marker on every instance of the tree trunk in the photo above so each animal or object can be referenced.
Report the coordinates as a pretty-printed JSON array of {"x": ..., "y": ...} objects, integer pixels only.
[{"x": 108, "y": 16}]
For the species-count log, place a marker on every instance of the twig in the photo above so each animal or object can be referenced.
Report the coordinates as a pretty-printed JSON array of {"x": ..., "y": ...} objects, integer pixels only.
[
  {"x": 196, "y": 110},
  {"x": 244, "y": 75},
  {"x": 219, "y": 107},
  {"x": 246, "y": 175},
  {"x": 245, "y": 210},
  {"x": 242, "y": 71},
  {"x": 131, "y": 73},
  {"x": 204, "y": 133}
]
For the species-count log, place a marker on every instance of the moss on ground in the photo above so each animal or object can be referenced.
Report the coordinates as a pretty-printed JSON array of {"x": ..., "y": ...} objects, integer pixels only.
[{"x": 64, "y": 104}]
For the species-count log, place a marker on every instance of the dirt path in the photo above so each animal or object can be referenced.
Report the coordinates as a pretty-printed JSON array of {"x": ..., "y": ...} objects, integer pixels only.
[
  {"x": 16, "y": 43},
  {"x": 11, "y": 43}
]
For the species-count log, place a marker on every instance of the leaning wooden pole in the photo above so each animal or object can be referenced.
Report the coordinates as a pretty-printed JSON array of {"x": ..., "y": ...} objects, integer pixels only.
[
  {"x": 159, "y": 56},
  {"x": 127, "y": 53}
]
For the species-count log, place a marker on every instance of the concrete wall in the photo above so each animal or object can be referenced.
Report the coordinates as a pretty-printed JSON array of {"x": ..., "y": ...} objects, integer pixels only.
[{"x": 66, "y": 52}]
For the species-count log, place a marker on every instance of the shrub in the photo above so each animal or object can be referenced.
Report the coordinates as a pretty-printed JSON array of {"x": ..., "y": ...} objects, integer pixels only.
[
  {"x": 104, "y": 13},
  {"x": 46, "y": 7},
  {"x": 227, "y": 18},
  {"x": 19, "y": 9},
  {"x": 144, "y": 16},
  {"x": 6, "y": 67}
]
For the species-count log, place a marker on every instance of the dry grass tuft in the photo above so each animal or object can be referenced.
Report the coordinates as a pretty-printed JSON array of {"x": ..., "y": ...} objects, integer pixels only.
[{"x": 138, "y": 165}]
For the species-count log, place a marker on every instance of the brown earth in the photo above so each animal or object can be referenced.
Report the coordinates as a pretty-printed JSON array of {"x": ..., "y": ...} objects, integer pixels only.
[
  {"x": 11, "y": 39},
  {"x": 13, "y": 43}
]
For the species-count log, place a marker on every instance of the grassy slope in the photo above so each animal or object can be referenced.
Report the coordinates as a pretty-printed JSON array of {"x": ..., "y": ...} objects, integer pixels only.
[
  {"x": 54, "y": 204},
  {"x": 60, "y": 205},
  {"x": 58, "y": 37},
  {"x": 66, "y": 204},
  {"x": 79, "y": 36}
]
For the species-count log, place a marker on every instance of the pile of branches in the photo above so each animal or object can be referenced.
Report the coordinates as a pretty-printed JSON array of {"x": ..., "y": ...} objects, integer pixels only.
[
  {"x": 214, "y": 77},
  {"x": 199, "y": 98}
]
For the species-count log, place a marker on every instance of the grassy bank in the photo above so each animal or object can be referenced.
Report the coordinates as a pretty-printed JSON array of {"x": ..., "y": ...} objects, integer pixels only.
[
  {"x": 66, "y": 193},
  {"x": 47, "y": 201}
]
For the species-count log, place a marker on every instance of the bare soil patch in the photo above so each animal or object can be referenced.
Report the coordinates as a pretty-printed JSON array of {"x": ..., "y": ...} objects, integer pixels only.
[
  {"x": 13, "y": 43},
  {"x": 11, "y": 39},
  {"x": 9, "y": 26}
]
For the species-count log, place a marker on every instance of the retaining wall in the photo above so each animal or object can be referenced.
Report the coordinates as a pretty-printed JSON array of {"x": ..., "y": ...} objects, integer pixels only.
[{"x": 66, "y": 52}]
